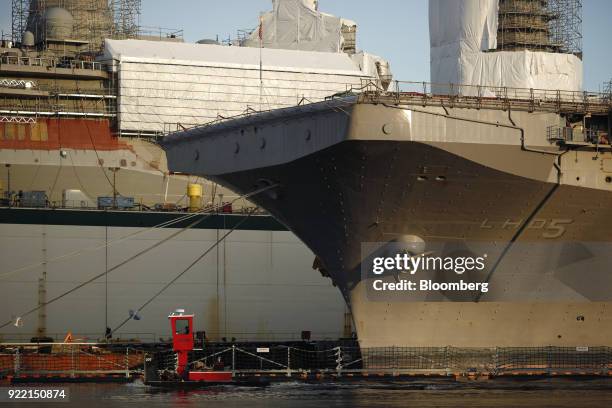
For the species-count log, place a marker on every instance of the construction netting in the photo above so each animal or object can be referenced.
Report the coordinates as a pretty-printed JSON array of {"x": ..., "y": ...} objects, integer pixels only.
[{"x": 168, "y": 86}]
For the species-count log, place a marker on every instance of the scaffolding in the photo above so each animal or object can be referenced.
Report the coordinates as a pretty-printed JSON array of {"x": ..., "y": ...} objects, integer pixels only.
[
  {"x": 94, "y": 20},
  {"x": 566, "y": 28},
  {"x": 540, "y": 25},
  {"x": 19, "y": 13},
  {"x": 126, "y": 16},
  {"x": 607, "y": 90}
]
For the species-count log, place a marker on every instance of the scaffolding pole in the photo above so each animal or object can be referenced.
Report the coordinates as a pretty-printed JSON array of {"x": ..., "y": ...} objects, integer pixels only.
[
  {"x": 607, "y": 90},
  {"x": 566, "y": 28},
  {"x": 540, "y": 25},
  {"x": 19, "y": 13},
  {"x": 126, "y": 17}
]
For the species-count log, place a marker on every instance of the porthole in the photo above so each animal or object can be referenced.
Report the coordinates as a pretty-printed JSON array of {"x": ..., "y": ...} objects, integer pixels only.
[{"x": 608, "y": 179}]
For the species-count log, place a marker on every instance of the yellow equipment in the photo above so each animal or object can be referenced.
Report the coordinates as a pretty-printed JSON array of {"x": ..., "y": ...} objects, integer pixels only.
[{"x": 194, "y": 192}]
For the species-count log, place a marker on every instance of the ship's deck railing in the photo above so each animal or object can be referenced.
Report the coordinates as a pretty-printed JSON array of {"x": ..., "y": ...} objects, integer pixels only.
[
  {"x": 65, "y": 104},
  {"x": 57, "y": 90},
  {"x": 441, "y": 95},
  {"x": 489, "y": 97},
  {"x": 239, "y": 208},
  {"x": 162, "y": 33},
  {"x": 50, "y": 62}
]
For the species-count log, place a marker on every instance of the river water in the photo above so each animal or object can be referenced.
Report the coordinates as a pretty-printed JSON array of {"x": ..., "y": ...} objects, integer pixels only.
[{"x": 300, "y": 395}]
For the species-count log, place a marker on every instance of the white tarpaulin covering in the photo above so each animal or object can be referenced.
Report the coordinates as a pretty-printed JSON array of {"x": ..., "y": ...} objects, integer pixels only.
[
  {"x": 165, "y": 85},
  {"x": 461, "y": 33},
  {"x": 296, "y": 24}
]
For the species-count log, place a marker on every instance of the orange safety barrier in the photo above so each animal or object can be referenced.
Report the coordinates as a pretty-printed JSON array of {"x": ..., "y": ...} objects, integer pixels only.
[{"x": 69, "y": 361}]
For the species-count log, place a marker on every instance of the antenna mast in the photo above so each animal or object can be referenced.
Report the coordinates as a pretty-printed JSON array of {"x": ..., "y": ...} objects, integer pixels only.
[{"x": 261, "y": 62}]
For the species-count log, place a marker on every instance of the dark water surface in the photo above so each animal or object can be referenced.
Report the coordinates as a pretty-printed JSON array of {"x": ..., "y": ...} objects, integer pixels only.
[{"x": 299, "y": 395}]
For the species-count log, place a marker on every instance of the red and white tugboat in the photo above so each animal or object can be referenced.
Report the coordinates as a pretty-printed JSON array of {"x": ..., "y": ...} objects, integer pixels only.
[{"x": 182, "y": 375}]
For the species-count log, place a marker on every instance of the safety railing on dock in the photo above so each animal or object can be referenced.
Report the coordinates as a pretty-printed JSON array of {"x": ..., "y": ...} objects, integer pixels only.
[
  {"x": 86, "y": 360},
  {"x": 444, "y": 361},
  {"x": 97, "y": 339},
  {"x": 68, "y": 360}
]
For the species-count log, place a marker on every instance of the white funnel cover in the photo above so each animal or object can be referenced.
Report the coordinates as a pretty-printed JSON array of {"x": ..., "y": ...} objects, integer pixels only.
[
  {"x": 297, "y": 25},
  {"x": 460, "y": 33}
]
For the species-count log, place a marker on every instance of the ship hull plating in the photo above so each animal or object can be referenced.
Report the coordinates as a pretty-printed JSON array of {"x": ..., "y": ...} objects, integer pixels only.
[
  {"x": 375, "y": 191},
  {"x": 350, "y": 173}
]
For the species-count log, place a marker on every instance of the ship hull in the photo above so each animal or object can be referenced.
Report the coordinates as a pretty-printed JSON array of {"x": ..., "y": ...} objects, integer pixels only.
[
  {"x": 350, "y": 209},
  {"x": 365, "y": 188}
]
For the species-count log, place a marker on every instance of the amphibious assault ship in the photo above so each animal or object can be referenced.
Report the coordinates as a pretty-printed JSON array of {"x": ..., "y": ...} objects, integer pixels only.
[
  {"x": 520, "y": 161},
  {"x": 85, "y": 94}
]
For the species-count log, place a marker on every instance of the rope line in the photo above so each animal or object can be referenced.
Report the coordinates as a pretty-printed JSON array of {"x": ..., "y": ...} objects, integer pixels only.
[
  {"x": 177, "y": 277},
  {"x": 98, "y": 276}
]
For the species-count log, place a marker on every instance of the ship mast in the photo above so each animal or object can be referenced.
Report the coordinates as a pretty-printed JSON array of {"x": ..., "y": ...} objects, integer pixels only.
[{"x": 261, "y": 62}]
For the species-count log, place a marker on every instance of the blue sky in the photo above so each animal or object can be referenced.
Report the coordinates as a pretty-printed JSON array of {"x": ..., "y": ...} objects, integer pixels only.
[{"x": 394, "y": 29}]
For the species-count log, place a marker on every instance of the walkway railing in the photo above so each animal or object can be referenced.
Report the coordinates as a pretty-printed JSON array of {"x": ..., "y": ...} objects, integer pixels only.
[
  {"x": 242, "y": 359},
  {"x": 86, "y": 359},
  {"x": 51, "y": 62},
  {"x": 480, "y": 96}
]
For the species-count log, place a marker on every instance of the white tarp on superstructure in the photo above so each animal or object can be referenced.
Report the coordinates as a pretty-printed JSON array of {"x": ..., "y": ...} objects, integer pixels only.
[
  {"x": 467, "y": 24},
  {"x": 163, "y": 86},
  {"x": 297, "y": 24},
  {"x": 462, "y": 34}
]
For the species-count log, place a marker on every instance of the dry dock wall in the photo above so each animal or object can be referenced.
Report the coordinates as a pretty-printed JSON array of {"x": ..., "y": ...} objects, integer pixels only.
[{"x": 258, "y": 285}]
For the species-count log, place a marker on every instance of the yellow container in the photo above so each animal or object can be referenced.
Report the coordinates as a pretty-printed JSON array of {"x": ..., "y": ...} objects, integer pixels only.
[{"x": 194, "y": 192}]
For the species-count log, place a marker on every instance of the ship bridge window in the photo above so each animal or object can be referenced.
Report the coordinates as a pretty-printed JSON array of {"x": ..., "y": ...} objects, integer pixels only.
[{"x": 182, "y": 326}]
